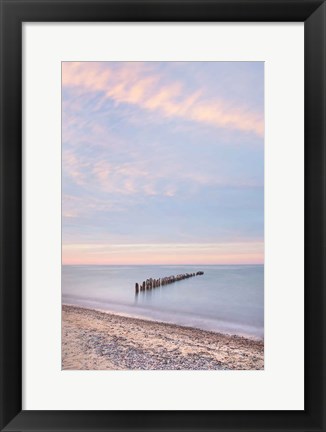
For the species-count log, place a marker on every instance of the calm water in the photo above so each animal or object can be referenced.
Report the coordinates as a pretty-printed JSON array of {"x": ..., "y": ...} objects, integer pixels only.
[{"x": 226, "y": 298}]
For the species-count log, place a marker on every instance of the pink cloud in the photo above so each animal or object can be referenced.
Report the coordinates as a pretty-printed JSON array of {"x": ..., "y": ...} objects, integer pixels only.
[
  {"x": 73, "y": 167},
  {"x": 233, "y": 253},
  {"x": 129, "y": 85}
]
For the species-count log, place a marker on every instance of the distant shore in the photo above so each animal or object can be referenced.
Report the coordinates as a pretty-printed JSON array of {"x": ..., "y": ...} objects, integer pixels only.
[{"x": 94, "y": 340}]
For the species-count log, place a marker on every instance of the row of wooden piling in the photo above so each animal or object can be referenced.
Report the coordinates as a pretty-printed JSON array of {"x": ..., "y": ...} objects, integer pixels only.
[{"x": 155, "y": 283}]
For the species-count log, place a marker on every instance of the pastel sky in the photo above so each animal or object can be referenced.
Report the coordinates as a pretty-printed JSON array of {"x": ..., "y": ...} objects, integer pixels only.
[{"x": 162, "y": 162}]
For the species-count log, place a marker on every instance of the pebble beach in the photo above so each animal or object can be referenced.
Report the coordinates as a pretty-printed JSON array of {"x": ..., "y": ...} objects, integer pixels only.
[{"x": 95, "y": 340}]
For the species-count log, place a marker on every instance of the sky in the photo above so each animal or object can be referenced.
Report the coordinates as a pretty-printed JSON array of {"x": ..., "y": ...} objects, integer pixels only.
[{"x": 162, "y": 163}]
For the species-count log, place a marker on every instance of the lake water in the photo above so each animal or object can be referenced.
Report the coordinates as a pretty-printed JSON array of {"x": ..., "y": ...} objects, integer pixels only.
[{"x": 227, "y": 298}]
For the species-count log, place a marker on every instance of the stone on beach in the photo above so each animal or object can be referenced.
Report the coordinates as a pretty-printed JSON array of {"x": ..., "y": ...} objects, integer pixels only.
[{"x": 93, "y": 340}]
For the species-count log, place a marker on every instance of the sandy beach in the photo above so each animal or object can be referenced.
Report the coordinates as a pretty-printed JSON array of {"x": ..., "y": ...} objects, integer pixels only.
[{"x": 94, "y": 340}]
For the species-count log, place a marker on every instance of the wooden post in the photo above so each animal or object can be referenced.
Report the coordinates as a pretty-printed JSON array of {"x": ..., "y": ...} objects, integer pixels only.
[{"x": 154, "y": 283}]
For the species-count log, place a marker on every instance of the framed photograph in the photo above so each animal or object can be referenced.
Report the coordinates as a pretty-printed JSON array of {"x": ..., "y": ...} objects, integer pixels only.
[
  {"x": 163, "y": 214},
  {"x": 161, "y": 219}
]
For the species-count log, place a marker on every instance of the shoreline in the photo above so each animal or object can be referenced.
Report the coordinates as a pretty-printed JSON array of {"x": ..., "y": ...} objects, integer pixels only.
[
  {"x": 161, "y": 321},
  {"x": 98, "y": 340}
]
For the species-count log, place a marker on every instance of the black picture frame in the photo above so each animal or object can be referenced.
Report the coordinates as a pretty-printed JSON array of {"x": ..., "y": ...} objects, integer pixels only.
[{"x": 13, "y": 14}]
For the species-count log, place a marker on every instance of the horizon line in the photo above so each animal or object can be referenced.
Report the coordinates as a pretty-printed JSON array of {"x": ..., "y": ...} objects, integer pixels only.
[{"x": 166, "y": 264}]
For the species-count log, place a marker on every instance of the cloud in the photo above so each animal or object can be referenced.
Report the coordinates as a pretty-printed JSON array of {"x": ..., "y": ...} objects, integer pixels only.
[
  {"x": 130, "y": 177},
  {"x": 151, "y": 176},
  {"x": 169, "y": 253},
  {"x": 133, "y": 83},
  {"x": 73, "y": 166},
  {"x": 87, "y": 205}
]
